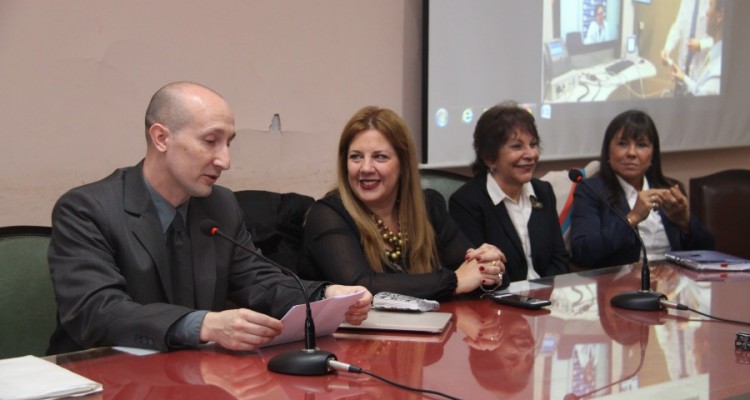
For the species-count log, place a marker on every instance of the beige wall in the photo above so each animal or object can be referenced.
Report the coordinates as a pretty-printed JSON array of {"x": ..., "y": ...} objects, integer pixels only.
[{"x": 76, "y": 76}]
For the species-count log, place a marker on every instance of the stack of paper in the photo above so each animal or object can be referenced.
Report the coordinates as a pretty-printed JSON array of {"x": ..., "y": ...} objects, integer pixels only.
[{"x": 31, "y": 377}]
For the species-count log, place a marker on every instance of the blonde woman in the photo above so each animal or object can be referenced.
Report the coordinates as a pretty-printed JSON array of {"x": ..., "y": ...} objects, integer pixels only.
[{"x": 379, "y": 229}]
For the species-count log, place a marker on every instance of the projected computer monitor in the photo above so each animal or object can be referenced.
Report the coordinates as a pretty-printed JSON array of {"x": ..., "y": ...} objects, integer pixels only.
[
  {"x": 590, "y": 28},
  {"x": 556, "y": 59}
]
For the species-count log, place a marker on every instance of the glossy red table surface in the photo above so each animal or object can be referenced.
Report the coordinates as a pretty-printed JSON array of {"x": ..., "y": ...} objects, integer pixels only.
[{"x": 578, "y": 347}]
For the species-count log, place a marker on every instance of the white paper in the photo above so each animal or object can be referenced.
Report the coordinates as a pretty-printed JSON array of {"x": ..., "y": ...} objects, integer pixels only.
[
  {"x": 31, "y": 377},
  {"x": 136, "y": 351},
  {"x": 519, "y": 287},
  {"x": 327, "y": 315}
]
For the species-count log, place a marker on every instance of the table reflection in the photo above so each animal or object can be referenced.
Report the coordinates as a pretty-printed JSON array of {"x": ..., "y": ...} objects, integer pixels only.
[
  {"x": 400, "y": 357},
  {"x": 501, "y": 345},
  {"x": 185, "y": 374},
  {"x": 609, "y": 359},
  {"x": 578, "y": 347}
]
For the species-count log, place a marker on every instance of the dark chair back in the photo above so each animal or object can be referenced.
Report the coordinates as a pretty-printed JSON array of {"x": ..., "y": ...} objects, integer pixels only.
[
  {"x": 275, "y": 221},
  {"x": 718, "y": 202},
  {"x": 27, "y": 300},
  {"x": 443, "y": 182}
]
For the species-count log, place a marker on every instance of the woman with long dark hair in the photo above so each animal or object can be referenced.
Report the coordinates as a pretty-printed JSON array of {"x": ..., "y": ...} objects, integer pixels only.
[{"x": 631, "y": 180}]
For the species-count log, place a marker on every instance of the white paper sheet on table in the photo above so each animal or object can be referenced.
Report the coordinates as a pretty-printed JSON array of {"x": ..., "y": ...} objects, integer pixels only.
[
  {"x": 523, "y": 286},
  {"x": 327, "y": 314},
  {"x": 29, "y": 377},
  {"x": 136, "y": 351}
]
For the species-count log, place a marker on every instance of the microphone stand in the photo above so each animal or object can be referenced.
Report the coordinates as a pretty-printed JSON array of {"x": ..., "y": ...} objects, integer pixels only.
[
  {"x": 644, "y": 299},
  {"x": 308, "y": 361}
]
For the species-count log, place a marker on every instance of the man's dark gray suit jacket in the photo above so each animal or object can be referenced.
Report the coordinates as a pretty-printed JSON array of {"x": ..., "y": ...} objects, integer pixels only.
[{"x": 111, "y": 274}]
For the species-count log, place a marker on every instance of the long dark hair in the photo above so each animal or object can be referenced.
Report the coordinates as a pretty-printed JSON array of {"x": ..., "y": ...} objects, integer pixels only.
[{"x": 634, "y": 125}]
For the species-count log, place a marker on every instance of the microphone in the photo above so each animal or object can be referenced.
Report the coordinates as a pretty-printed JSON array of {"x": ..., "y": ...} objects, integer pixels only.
[
  {"x": 644, "y": 299},
  {"x": 308, "y": 361}
]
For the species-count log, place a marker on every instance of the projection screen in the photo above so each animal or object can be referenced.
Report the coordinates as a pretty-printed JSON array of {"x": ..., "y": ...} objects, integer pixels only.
[{"x": 542, "y": 55}]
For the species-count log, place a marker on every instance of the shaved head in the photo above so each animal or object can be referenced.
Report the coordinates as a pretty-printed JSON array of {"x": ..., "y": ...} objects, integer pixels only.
[
  {"x": 168, "y": 105},
  {"x": 188, "y": 131}
]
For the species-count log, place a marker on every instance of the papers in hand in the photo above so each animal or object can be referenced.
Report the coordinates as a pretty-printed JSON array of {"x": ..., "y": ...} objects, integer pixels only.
[
  {"x": 327, "y": 314},
  {"x": 708, "y": 260},
  {"x": 31, "y": 377},
  {"x": 400, "y": 302}
]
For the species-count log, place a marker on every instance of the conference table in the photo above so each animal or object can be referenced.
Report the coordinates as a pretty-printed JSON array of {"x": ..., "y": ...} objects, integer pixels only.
[{"x": 579, "y": 347}]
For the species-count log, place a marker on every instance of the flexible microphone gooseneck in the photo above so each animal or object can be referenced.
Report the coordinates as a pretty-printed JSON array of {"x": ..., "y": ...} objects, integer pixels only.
[
  {"x": 308, "y": 361},
  {"x": 644, "y": 299}
]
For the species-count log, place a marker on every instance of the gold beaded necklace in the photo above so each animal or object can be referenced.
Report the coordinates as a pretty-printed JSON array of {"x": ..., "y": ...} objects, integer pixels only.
[{"x": 395, "y": 240}]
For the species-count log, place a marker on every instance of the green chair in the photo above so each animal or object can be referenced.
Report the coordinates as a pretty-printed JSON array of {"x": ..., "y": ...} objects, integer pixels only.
[
  {"x": 27, "y": 300},
  {"x": 444, "y": 182}
]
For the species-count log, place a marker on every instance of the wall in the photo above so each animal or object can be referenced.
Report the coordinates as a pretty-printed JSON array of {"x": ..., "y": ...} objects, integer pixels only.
[{"x": 76, "y": 77}]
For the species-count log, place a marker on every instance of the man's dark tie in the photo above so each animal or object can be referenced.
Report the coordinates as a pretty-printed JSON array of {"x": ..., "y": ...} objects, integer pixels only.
[{"x": 181, "y": 262}]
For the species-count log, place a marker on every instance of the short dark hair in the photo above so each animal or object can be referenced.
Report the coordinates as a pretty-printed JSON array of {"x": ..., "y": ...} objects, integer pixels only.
[{"x": 495, "y": 127}]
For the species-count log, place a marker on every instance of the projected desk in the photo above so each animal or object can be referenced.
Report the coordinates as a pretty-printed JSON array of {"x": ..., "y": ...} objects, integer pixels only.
[
  {"x": 595, "y": 83},
  {"x": 580, "y": 345}
]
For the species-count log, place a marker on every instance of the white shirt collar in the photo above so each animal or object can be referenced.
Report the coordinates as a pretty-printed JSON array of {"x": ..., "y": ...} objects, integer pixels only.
[
  {"x": 630, "y": 191},
  {"x": 497, "y": 195}
]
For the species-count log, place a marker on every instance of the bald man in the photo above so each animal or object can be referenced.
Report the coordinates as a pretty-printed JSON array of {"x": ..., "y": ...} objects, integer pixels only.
[{"x": 116, "y": 243}]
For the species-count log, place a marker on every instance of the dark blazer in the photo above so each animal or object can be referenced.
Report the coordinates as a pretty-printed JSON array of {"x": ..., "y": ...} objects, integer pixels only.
[
  {"x": 109, "y": 267},
  {"x": 333, "y": 251},
  {"x": 484, "y": 222},
  {"x": 599, "y": 238}
]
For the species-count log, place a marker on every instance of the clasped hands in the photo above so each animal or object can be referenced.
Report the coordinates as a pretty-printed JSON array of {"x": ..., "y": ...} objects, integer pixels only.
[
  {"x": 243, "y": 329},
  {"x": 483, "y": 266},
  {"x": 483, "y": 330},
  {"x": 671, "y": 201}
]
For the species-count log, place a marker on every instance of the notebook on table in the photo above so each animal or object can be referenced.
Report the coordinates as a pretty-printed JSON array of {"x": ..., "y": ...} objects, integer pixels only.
[
  {"x": 431, "y": 322},
  {"x": 708, "y": 260}
]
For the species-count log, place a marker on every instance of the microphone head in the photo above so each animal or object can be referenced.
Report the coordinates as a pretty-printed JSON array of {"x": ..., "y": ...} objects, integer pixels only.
[
  {"x": 208, "y": 226},
  {"x": 575, "y": 175}
]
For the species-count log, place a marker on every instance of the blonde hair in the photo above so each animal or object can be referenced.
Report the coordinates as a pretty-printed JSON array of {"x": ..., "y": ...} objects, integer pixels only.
[{"x": 420, "y": 248}]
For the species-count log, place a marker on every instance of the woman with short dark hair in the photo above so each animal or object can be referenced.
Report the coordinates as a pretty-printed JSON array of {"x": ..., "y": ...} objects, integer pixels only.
[{"x": 503, "y": 204}]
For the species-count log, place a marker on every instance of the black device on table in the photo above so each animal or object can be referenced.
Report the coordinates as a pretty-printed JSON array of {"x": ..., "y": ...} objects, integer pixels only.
[{"x": 517, "y": 300}]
